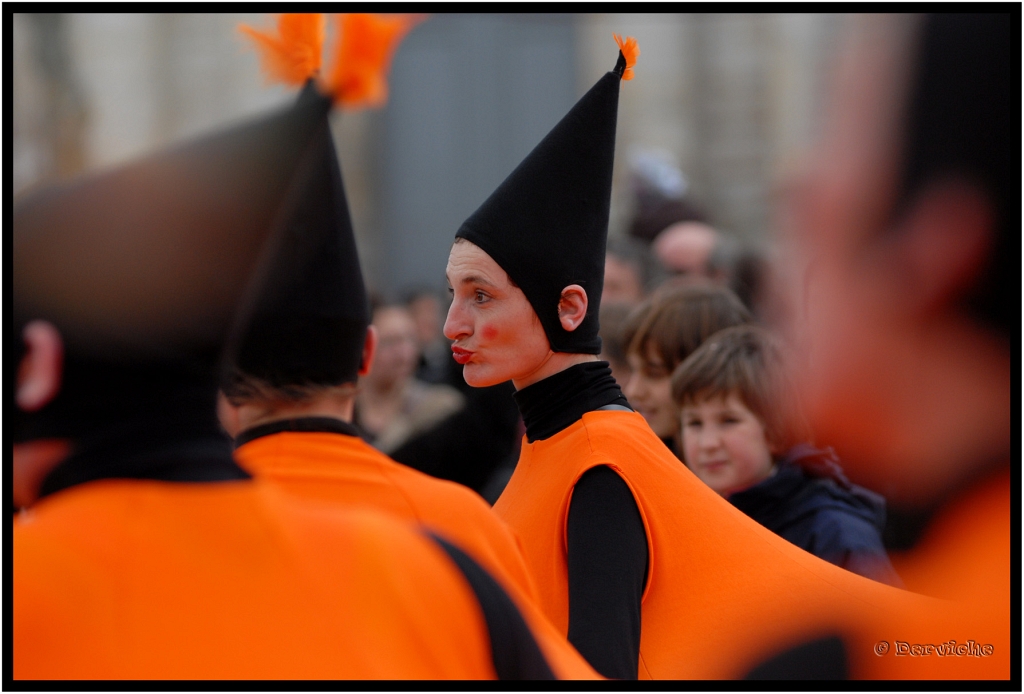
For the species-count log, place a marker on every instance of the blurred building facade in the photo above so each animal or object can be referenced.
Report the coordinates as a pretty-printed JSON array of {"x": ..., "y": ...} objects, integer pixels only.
[{"x": 733, "y": 97}]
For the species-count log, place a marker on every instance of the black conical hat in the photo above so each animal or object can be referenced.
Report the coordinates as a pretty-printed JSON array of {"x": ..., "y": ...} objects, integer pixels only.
[
  {"x": 149, "y": 260},
  {"x": 307, "y": 322},
  {"x": 546, "y": 225}
]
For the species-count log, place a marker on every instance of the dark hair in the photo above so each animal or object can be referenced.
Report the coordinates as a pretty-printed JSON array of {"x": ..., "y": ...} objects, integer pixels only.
[
  {"x": 239, "y": 387},
  {"x": 655, "y": 214},
  {"x": 676, "y": 320},
  {"x": 613, "y": 319},
  {"x": 964, "y": 121},
  {"x": 639, "y": 255},
  {"x": 749, "y": 362}
]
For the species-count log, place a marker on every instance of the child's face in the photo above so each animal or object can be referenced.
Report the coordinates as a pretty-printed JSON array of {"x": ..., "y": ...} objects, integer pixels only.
[
  {"x": 724, "y": 444},
  {"x": 649, "y": 390}
]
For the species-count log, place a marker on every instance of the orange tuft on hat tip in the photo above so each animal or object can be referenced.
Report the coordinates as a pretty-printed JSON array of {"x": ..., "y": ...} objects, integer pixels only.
[
  {"x": 292, "y": 55},
  {"x": 366, "y": 43},
  {"x": 630, "y": 51}
]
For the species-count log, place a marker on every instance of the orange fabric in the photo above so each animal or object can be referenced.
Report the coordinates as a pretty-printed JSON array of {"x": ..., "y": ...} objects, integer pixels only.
[
  {"x": 723, "y": 592},
  {"x": 139, "y": 579},
  {"x": 963, "y": 557},
  {"x": 345, "y": 469}
]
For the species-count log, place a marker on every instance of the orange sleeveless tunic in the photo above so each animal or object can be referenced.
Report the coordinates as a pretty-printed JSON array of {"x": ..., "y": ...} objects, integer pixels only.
[
  {"x": 723, "y": 592},
  {"x": 345, "y": 469},
  {"x": 121, "y": 579}
]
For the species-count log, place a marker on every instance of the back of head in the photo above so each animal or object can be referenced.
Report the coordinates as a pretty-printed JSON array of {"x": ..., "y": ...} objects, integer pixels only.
[
  {"x": 141, "y": 268},
  {"x": 676, "y": 320},
  {"x": 750, "y": 363}
]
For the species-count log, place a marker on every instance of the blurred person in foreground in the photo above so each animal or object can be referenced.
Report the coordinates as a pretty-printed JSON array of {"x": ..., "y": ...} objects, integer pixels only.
[
  {"x": 659, "y": 335},
  {"x": 907, "y": 219},
  {"x": 646, "y": 570},
  {"x": 144, "y": 551},
  {"x": 744, "y": 435},
  {"x": 392, "y": 405}
]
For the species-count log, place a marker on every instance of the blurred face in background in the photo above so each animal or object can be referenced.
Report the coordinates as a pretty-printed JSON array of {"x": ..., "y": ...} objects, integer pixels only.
[
  {"x": 622, "y": 282},
  {"x": 685, "y": 249},
  {"x": 890, "y": 375},
  {"x": 649, "y": 390},
  {"x": 397, "y": 347},
  {"x": 426, "y": 311},
  {"x": 496, "y": 334}
]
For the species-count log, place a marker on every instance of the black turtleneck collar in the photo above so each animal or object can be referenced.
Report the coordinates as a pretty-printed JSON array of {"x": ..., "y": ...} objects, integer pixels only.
[
  {"x": 308, "y": 424},
  {"x": 551, "y": 405},
  {"x": 185, "y": 451}
]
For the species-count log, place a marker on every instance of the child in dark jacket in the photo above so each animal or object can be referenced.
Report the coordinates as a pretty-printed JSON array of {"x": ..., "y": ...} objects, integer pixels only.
[{"x": 743, "y": 436}]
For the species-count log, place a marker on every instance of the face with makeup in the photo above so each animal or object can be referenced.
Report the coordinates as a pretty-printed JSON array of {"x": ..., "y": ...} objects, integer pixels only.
[{"x": 497, "y": 334}]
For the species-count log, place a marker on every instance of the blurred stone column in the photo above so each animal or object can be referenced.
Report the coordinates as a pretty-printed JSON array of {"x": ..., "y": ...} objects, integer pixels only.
[{"x": 53, "y": 141}]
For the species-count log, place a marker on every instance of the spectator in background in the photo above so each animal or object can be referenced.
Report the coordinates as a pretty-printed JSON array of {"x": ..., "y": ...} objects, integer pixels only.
[
  {"x": 659, "y": 335},
  {"x": 745, "y": 436},
  {"x": 685, "y": 250},
  {"x": 428, "y": 310},
  {"x": 659, "y": 192},
  {"x": 393, "y": 406},
  {"x": 613, "y": 319},
  {"x": 630, "y": 272}
]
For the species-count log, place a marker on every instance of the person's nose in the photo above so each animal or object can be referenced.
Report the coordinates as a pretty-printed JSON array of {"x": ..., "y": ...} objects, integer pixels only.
[
  {"x": 633, "y": 388},
  {"x": 457, "y": 325}
]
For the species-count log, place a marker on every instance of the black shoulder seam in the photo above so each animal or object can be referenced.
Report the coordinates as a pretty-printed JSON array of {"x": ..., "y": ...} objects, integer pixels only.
[{"x": 515, "y": 652}]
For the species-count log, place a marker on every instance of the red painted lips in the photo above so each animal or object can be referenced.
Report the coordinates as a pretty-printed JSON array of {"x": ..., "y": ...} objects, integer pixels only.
[{"x": 462, "y": 356}]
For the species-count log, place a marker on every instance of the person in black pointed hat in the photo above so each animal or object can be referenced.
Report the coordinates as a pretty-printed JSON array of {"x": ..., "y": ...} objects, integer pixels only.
[
  {"x": 635, "y": 559},
  {"x": 288, "y": 391},
  {"x": 143, "y": 550},
  {"x": 526, "y": 272}
]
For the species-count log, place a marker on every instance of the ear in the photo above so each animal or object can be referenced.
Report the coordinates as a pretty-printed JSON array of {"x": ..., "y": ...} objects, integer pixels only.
[
  {"x": 572, "y": 307},
  {"x": 40, "y": 371},
  {"x": 369, "y": 350},
  {"x": 228, "y": 415},
  {"x": 943, "y": 242}
]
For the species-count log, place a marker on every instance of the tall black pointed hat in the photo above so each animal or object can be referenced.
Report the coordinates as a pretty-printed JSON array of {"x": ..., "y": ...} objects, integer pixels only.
[
  {"x": 142, "y": 268},
  {"x": 546, "y": 225},
  {"x": 307, "y": 322}
]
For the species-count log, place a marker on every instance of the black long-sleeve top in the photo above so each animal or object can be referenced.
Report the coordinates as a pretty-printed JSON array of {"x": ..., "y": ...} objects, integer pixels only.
[{"x": 607, "y": 545}]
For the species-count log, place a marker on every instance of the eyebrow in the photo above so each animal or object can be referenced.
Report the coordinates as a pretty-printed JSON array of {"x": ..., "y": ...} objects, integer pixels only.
[{"x": 473, "y": 279}]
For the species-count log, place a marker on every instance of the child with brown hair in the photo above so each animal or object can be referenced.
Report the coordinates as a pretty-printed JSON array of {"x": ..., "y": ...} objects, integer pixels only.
[
  {"x": 661, "y": 333},
  {"x": 743, "y": 434}
]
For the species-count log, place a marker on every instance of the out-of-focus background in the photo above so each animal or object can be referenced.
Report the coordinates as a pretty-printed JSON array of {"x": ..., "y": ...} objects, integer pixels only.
[{"x": 720, "y": 107}]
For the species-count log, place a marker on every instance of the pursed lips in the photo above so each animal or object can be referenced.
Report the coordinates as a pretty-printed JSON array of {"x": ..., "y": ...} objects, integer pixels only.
[{"x": 462, "y": 356}]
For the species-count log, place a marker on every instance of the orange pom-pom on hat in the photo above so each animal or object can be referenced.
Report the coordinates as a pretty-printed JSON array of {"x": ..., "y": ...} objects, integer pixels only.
[
  {"x": 293, "y": 54},
  {"x": 630, "y": 51},
  {"x": 366, "y": 44}
]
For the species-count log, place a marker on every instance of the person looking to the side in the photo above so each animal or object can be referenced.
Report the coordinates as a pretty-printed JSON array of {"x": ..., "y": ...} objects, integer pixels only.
[
  {"x": 659, "y": 335},
  {"x": 647, "y": 571},
  {"x": 745, "y": 436}
]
